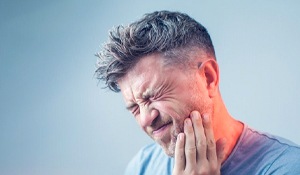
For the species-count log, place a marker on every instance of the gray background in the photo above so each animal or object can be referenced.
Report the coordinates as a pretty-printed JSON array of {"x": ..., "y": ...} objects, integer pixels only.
[{"x": 56, "y": 119}]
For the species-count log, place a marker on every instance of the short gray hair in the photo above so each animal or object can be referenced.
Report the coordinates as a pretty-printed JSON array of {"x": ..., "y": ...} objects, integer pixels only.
[{"x": 161, "y": 32}]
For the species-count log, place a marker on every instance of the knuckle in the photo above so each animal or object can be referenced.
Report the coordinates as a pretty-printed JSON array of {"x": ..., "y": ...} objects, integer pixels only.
[
  {"x": 193, "y": 173},
  {"x": 201, "y": 142},
  {"x": 203, "y": 169},
  {"x": 189, "y": 131},
  {"x": 214, "y": 167},
  {"x": 182, "y": 157},
  {"x": 208, "y": 169},
  {"x": 203, "y": 172},
  {"x": 191, "y": 149},
  {"x": 211, "y": 143}
]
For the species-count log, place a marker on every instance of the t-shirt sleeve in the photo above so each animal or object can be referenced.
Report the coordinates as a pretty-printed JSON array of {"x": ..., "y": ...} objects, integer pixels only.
[{"x": 287, "y": 163}]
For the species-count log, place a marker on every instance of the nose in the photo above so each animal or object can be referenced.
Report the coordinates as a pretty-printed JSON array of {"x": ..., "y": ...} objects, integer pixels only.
[{"x": 147, "y": 115}]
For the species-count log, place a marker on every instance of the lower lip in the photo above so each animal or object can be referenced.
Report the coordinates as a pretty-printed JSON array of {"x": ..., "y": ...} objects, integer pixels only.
[{"x": 161, "y": 131}]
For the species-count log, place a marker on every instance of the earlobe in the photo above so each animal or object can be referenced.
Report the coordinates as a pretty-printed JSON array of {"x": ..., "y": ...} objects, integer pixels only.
[{"x": 211, "y": 73}]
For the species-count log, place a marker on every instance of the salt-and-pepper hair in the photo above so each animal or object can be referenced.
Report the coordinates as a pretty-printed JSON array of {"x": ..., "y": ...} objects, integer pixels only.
[{"x": 171, "y": 34}]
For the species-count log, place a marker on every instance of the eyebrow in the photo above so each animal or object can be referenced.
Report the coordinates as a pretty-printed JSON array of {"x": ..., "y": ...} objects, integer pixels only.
[{"x": 148, "y": 93}]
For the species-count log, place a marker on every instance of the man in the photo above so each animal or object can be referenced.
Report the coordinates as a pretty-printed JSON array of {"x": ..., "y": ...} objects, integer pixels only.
[{"x": 165, "y": 66}]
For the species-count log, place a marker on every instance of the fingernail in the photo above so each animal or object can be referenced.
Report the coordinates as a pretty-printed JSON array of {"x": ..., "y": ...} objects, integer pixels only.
[
  {"x": 205, "y": 118},
  {"x": 180, "y": 136},
  {"x": 188, "y": 122},
  {"x": 195, "y": 115}
]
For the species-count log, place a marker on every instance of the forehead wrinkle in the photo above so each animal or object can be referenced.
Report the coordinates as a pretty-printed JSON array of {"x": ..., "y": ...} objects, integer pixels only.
[
  {"x": 143, "y": 80},
  {"x": 151, "y": 86},
  {"x": 146, "y": 87}
]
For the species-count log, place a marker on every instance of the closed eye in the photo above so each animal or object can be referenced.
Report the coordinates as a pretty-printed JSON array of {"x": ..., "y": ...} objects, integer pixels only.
[
  {"x": 136, "y": 111},
  {"x": 133, "y": 108}
]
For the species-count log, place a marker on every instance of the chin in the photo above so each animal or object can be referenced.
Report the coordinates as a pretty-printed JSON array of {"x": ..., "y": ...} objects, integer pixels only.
[
  {"x": 169, "y": 148},
  {"x": 168, "y": 145}
]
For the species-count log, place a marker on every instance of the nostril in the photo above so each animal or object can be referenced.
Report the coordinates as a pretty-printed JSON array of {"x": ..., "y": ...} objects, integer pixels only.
[{"x": 147, "y": 116}]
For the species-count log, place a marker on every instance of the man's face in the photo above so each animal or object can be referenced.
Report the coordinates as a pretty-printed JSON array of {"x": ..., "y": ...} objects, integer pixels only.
[{"x": 160, "y": 97}]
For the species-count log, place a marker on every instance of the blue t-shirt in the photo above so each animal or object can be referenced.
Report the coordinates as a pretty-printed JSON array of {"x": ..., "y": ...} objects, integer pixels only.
[{"x": 254, "y": 153}]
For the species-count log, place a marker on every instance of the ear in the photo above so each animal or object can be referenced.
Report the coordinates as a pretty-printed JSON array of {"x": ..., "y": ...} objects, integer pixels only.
[{"x": 210, "y": 71}]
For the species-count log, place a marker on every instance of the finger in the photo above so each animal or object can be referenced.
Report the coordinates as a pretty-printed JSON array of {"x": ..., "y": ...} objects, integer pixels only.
[
  {"x": 179, "y": 154},
  {"x": 210, "y": 140},
  {"x": 200, "y": 138},
  {"x": 190, "y": 147},
  {"x": 220, "y": 144}
]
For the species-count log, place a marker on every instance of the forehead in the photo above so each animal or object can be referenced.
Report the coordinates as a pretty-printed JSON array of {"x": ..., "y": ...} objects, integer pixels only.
[{"x": 148, "y": 73}]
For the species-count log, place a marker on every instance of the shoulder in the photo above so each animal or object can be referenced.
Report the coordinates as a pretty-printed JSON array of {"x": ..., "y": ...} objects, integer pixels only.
[
  {"x": 263, "y": 153},
  {"x": 284, "y": 156},
  {"x": 151, "y": 159}
]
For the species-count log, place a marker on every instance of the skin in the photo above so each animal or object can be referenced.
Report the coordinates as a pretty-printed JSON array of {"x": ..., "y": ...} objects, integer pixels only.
[
  {"x": 196, "y": 152},
  {"x": 182, "y": 110}
]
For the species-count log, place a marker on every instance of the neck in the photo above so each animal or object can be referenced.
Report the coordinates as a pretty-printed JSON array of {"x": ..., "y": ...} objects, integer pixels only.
[{"x": 225, "y": 126}]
